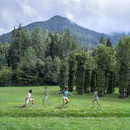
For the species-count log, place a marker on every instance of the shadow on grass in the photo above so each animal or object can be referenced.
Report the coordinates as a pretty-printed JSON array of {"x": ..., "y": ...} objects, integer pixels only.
[{"x": 59, "y": 107}]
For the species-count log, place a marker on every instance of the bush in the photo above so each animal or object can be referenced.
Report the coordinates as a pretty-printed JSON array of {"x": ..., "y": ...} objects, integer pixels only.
[{"x": 5, "y": 77}]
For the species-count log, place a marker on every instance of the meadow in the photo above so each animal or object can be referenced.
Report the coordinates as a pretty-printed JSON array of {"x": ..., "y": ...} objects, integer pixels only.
[{"x": 78, "y": 114}]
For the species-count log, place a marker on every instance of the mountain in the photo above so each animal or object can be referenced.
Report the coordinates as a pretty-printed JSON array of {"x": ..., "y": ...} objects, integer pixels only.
[{"x": 86, "y": 37}]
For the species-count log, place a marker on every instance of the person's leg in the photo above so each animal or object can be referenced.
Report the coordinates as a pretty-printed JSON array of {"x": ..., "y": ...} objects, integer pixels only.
[
  {"x": 66, "y": 100},
  {"x": 99, "y": 104},
  {"x": 25, "y": 104},
  {"x": 93, "y": 102},
  {"x": 63, "y": 102},
  {"x": 32, "y": 101},
  {"x": 43, "y": 102}
]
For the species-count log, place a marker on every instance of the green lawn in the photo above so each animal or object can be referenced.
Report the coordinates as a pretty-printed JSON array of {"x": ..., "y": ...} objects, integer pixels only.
[{"x": 78, "y": 114}]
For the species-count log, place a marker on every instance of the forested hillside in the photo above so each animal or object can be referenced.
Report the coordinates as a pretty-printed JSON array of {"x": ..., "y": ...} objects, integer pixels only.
[
  {"x": 86, "y": 38},
  {"x": 46, "y": 58}
]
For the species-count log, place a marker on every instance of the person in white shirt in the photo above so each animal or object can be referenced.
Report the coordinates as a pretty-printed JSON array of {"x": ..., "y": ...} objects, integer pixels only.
[{"x": 28, "y": 99}]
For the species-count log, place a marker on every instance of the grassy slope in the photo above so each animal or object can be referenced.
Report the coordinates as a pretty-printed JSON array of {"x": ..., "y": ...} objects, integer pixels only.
[{"x": 77, "y": 114}]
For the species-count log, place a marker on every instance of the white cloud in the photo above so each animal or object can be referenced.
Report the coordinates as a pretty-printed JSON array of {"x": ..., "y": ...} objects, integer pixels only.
[
  {"x": 99, "y": 15},
  {"x": 69, "y": 16},
  {"x": 77, "y": 0},
  {"x": 28, "y": 10},
  {"x": 2, "y": 30}
]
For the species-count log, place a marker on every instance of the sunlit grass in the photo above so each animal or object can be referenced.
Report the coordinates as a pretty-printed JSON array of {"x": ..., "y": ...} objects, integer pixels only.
[{"x": 77, "y": 114}]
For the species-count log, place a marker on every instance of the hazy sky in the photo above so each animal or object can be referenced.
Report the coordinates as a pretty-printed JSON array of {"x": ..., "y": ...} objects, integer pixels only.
[{"x": 99, "y": 15}]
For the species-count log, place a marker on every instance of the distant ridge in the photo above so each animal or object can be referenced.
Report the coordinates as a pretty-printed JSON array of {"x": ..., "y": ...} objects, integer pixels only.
[{"x": 86, "y": 37}]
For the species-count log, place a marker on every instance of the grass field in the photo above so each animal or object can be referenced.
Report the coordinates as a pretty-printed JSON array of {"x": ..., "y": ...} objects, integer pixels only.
[{"x": 78, "y": 114}]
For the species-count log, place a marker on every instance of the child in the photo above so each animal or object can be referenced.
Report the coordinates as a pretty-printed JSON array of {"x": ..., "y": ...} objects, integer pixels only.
[
  {"x": 46, "y": 93},
  {"x": 95, "y": 96},
  {"x": 65, "y": 92},
  {"x": 28, "y": 99}
]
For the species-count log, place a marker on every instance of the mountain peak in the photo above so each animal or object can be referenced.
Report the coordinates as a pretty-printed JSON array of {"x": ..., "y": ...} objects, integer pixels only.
[
  {"x": 59, "y": 18},
  {"x": 56, "y": 17},
  {"x": 86, "y": 37}
]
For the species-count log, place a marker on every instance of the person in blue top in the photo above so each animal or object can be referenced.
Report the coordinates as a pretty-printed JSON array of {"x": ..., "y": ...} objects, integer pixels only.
[
  {"x": 95, "y": 96},
  {"x": 65, "y": 92}
]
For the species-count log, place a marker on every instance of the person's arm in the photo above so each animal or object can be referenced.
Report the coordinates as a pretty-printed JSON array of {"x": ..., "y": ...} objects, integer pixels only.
[
  {"x": 94, "y": 95},
  {"x": 70, "y": 94},
  {"x": 60, "y": 92}
]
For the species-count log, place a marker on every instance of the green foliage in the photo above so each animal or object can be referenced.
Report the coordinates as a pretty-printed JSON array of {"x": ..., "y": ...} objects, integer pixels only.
[
  {"x": 36, "y": 59},
  {"x": 123, "y": 59},
  {"x": 40, "y": 70},
  {"x": 26, "y": 73},
  {"x": 80, "y": 71},
  {"x": 71, "y": 64},
  {"x": 102, "y": 57},
  {"x": 93, "y": 80},
  {"x": 63, "y": 74},
  {"x": 5, "y": 76},
  {"x": 102, "y": 40},
  {"x": 51, "y": 70},
  {"x": 38, "y": 43},
  {"x": 106, "y": 64},
  {"x": 28, "y": 61},
  {"x": 4, "y": 54},
  {"x": 100, "y": 79},
  {"x": 88, "y": 69},
  {"x": 56, "y": 70},
  {"x": 15, "y": 51},
  {"x": 26, "y": 40},
  {"x": 109, "y": 44},
  {"x": 86, "y": 38}
]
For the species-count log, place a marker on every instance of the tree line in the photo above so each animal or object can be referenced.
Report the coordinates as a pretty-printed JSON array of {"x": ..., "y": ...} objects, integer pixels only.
[{"x": 44, "y": 58}]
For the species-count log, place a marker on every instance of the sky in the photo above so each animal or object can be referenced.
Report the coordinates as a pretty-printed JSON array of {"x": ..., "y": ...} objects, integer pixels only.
[{"x": 105, "y": 16}]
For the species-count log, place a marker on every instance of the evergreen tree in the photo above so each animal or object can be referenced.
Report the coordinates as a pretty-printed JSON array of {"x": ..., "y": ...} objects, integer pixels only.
[
  {"x": 111, "y": 72},
  {"x": 48, "y": 73},
  {"x": 93, "y": 80},
  {"x": 123, "y": 59},
  {"x": 28, "y": 67},
  {"x": 56, "y": 70},
  {"x": 40, "y": 65},
  {"x": 63, "y": 74},
  {"x": 38, "y": 43},
  {"x": 109, "y": 44},
  {"x": 103, "y": 61},
  {"x": 26, "y": 40},
  {"x": 6, "y": 47},
  {"x": 47, "y": 41},
  {"x": 1, "y": 56},
  {"x": 51, "y": 70},
  {"x": 102, "y": 40},
  {"x": 71, "y": 64},
  {"x": 80, "y": 72},
  {"x": 88, "y": 67},
  {"x": 5, "y": 76},
  {"x": 101, "y": 82},
  {"x": 54, "y": 45},
  {"x": 15, "y": 51},
  {"x": 67, "y": 42}
]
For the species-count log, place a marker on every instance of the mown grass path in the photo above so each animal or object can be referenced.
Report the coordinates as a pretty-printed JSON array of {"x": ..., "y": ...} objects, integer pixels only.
[{"x": 78, "y": 114}]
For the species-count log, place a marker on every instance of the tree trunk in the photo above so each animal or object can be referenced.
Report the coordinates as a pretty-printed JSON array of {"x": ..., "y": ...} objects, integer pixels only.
[
  {"x": 110, "y": 85},
  {"x": 87, "y": 81},
  {"x": 93, "y": 81},
  {"x": 123, "y": 93},
  {"x": 101, "y": 92}
]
